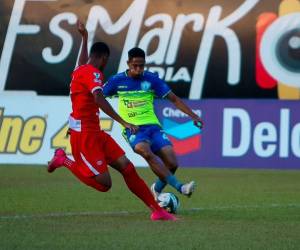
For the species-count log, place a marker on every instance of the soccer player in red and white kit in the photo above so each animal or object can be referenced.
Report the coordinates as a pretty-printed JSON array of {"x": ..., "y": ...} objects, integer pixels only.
[{"x": 92, "y": 148}]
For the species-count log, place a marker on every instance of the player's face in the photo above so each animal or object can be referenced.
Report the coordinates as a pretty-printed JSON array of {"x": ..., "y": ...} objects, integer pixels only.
[
  {"x": 103, "y": 62},
  {"x": 136, "y": 66}
]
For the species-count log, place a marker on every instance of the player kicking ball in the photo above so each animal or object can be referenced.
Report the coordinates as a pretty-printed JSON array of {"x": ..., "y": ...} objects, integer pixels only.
[
  {"x": 92, "y": 148},
  {"x": 136, "y": 89}
]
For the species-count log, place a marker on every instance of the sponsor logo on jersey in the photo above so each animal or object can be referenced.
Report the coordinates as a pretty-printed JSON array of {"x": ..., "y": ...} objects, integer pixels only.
[
  {"x": 145, "y": 85},
  {"x": 122, "y": 87},
  {"x": 97, "y": 77}
]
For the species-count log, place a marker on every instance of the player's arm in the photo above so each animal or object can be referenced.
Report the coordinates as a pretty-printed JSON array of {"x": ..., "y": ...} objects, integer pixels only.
[
  {"x": 108, "y": 89},
  {"x": 107, "y": 109},
  {"x": 83, "y": 58},
  {"x": 162, "y": 90},
  {"x": 184, "y": 108}
]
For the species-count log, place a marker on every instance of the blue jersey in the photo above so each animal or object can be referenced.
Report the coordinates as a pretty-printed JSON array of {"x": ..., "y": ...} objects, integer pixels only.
[{"x": 136, "y": 96}]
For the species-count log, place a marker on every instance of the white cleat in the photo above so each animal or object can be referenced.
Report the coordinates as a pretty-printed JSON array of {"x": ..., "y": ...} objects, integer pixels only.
[
  {"x": 188, "y": 188},
  {"x": 154, "y": 192}
]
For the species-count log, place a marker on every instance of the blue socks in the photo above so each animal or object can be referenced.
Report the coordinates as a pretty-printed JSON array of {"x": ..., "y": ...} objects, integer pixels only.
[
  {"x": 159, "y": 185},
  {"x": 171, "y": 180}
]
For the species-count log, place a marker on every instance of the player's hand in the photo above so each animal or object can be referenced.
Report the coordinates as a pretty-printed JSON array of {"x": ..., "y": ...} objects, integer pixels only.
[
  {"x": 198, "y": 123},
  {"x": 132, "y": 128},
  {"x": 81, "y": 29}
]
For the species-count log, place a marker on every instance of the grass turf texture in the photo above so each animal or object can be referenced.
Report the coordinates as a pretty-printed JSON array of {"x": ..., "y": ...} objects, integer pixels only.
[{"x": 231, "y": 209}]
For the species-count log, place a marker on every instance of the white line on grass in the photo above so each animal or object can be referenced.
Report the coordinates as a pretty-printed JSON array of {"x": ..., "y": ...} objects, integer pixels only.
[
  {"x": 64, "y": 214},
  {"x": 124, "y": 213},
  {"x": 274, "y": 205}
]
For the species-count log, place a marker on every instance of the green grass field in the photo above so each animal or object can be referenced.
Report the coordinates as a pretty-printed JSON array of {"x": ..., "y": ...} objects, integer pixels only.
[{"x": 231, "y": 209}]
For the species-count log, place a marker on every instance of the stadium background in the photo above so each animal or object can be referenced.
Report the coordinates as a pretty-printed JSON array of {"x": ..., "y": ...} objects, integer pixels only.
[
  {"x": 213, "y": 53},
  {"x": 235, "y": 62}
]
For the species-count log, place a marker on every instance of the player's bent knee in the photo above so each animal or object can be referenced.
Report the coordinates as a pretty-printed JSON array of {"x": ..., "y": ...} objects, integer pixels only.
[
  {"x": 128, "y": 169},
  {"x": 173, "y": 167},
  {"x": 104, "y": 182},
  {"x": 145, "y": 153},
  {"x": 121, "y": 163},
  {"x": 101, "y": 188}
]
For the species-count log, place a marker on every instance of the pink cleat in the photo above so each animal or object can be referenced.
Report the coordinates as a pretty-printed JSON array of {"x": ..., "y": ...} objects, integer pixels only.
[
  {"x": 57, "y": 160},
  {"x": 162, "y": 215}
]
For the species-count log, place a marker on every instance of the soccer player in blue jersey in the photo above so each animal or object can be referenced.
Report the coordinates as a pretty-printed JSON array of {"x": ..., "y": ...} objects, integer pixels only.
[{"x": 136, "y": 89}]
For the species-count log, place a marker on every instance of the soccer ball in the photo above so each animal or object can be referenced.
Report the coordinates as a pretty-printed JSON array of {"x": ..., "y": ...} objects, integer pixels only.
[{"x": 168, "y": 201}]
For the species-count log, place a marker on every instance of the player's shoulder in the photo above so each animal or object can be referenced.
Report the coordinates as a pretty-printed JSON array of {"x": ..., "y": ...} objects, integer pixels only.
[
  {"x": 118, "y": 77},
  {"x": 91, "y": 69},
  {"x": 87, "y": 70},
  {"x": 81, "y": 68},
  {"x": 150, "y": 75}
]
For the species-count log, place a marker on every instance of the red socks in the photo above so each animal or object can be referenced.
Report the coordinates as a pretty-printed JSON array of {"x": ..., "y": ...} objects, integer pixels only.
[
  {"x": 132, "y": 179},
  {"x": 139, "y": 187}
]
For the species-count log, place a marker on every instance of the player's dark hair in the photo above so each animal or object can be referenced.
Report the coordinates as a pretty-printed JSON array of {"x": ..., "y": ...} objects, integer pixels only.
[
  {"x": 136, "y": 52},
  {"x": 100, "y": 49}
]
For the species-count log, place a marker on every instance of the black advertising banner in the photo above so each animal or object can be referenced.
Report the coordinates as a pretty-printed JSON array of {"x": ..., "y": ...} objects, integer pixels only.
[{"x": 203, "y": 49}]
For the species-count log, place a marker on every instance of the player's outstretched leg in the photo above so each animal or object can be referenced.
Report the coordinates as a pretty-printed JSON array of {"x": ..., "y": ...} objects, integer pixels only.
[
  {"x": 162, "y": 214},
  {"x": 57, "y": 160},
  {"x": 137, "y": 186},
  {"x": 168, "y": 157},
  {"x": 60, "y": 159},
  {"x": 185, "y": 189},
  {"x": 188, "y": 188},
  {"x": 164, "y": 174}
]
